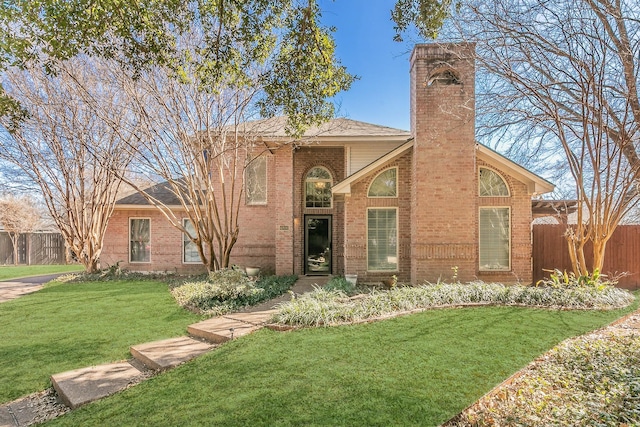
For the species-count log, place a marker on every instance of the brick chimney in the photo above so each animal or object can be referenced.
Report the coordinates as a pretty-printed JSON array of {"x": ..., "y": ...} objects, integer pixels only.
[{"x": 444, "y": 210}]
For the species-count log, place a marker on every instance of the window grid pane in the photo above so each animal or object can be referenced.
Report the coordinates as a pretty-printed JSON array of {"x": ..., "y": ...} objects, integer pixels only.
[
  {"x": 495, "y": 239},
  {"x": 318, "y": 188},
  {"x": 139, "y": 241},
  {"x": 189, "y": 249},
  {"x": 256, "y": 181},
  {"x": 385, "y": 184},
  {"x": 492, "y": 184},
  {"x": 382, "y": 247}
]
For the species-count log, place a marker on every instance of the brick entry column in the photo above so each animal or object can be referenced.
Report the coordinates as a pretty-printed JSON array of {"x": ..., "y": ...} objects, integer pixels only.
[
  {"x": 444, "y": 210},
  {"x": 284, "y": 224}
]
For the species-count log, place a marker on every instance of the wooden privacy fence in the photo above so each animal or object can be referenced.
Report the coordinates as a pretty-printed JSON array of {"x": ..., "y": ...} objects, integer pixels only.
[
  {"x": 33, "y": 248},
  {"x": 622, "y": 255}
]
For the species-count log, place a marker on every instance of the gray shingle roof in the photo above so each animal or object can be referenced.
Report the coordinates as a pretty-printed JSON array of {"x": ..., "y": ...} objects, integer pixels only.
[
  {"x": 162, "y": 192},
  {"x": 339, "y": 127}
]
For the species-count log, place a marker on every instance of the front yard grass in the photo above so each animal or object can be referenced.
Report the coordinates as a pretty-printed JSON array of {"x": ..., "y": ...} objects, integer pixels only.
[
  {"x": 418, "y": 370},
  {"x": 75, "y": 325},
  {"x": 14, "y": 272}
]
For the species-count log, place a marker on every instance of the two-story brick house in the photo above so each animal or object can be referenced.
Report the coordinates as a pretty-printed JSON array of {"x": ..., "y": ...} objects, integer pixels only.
[{"x": 370, "y": 200}]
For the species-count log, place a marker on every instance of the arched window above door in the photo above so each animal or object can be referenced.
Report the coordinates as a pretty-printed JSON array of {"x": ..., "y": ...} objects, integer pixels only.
[{"x": 318, "y": 188}]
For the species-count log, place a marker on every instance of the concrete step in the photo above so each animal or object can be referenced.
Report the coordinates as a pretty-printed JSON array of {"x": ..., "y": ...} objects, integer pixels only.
[
  {"x": 224, "y": 328},
  {"x": 220, "y": 329},
  {"x": 259, "y": 318},
  {"x": 78, "y": 387},
  {"x": 166, "y": 354}
]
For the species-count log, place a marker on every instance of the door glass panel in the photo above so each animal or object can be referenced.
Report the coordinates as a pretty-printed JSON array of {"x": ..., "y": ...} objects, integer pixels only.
[{"x": 318, "y": 234}]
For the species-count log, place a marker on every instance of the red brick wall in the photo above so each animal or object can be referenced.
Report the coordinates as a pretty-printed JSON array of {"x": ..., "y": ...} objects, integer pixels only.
[
  {"x": 356, "y": 223},
  {"x": 255, "y": 246},
  {"x": 166, "y": 243}
]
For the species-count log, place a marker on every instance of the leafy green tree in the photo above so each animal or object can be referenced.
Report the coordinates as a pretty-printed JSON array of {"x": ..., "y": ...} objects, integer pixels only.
[
  {"x": 140, "y": 33},
  {"x": 426, "y": 16}
]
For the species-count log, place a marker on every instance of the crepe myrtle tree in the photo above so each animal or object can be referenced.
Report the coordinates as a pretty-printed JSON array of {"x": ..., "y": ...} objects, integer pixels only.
[
  {"x": 565, "y": 74},
  {"x": 195, "y": 131},
  {"x": 271, "y": 57},
  {"x": 69, "y": 148},
  {"x": 557, "y": 80}
]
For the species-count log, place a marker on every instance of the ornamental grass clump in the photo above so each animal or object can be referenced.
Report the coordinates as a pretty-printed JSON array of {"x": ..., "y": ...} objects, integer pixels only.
[{"x": 327, "y": 307}]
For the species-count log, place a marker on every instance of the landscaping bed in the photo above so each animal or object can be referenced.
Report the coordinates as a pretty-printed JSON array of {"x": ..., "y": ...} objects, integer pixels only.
[
  {"x": 591, "y": 380},
  {"x": 332, "y": 305},
  {"x": 226, "y": 291}
]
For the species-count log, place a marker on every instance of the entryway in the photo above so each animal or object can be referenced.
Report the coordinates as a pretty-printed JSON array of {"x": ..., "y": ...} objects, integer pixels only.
[{"x": 317, "y": 244}]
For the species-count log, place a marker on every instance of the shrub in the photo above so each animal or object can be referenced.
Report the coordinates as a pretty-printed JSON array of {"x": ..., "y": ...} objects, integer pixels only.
[
  {"x": 563, "y": 279},
  {"x": 228, "y": 290},
  {"x": 221, "y": 287},
  {"x": 326, "y": 306},
  {"x": 341, "y": 284}
]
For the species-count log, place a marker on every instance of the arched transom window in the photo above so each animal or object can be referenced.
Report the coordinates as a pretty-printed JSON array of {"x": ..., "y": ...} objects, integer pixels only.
[
  {"x": 492, "y": 184},
  {"x": 318, "y": 188},
  {"x": 385, "y": 184}
]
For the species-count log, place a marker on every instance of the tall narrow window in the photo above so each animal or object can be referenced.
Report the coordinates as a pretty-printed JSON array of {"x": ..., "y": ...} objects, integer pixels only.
[
  {"x": 318, "y": 188},
  {"x": 140, "y": 240},
  {"x": 382, "y": 239},
  {"x": 255, "y": 176},
  {"x": 189, "y": 249},
  {"x": 492, "y": 184},
  {"x": 495, "y": 239},
  {"x": 385, "y": 184}
]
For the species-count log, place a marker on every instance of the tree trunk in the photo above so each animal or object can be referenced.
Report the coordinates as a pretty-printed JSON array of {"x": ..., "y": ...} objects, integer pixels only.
[{"x": 14, "y": 242}]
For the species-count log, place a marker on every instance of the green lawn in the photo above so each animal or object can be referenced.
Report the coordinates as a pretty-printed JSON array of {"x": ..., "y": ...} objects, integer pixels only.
[
  {"x": 414, "y": 370},
  {"x": 13, "y": 272},
  {"x": 69, "y": 326}
]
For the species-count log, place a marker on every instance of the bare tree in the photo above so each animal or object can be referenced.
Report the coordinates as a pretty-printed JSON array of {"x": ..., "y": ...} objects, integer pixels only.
[
  {"x": 73, "y": 150},
  {"x": 194, "y": 138},
  {"x": 18, "y": 215},
  {"x": 561, "y": 81}
]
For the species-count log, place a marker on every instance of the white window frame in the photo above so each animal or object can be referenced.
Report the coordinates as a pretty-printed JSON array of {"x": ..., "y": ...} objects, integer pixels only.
[
  {"x": 185, "y": 239},
  {"x": 506, "y": 184},
  {"x": 480, "y": 266},
  {"x": 397, "y": 240},
  {"x": 131, "y": 219},
  {"x": 307, "y": 180},
  {"x": 374, "y": 180},
  {"x": 260, "y": 158}
]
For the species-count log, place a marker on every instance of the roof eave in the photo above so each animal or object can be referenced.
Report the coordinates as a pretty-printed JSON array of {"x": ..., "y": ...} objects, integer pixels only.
[
  {"x": 144, "y": 207},
  {"x": 340, "y": 140}
]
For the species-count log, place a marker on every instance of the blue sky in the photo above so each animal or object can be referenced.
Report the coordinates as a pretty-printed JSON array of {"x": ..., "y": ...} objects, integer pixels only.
[{"x": 364, "y": 44}]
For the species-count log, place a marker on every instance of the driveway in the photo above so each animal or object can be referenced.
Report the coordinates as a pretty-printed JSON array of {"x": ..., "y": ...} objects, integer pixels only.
[{"x": 15, "y": 288}]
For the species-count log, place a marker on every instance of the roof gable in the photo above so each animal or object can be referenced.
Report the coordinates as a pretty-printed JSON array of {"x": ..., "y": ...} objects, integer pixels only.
[
  {"x": 344, "y": 186},
  {"x": 535, "y": 183}
]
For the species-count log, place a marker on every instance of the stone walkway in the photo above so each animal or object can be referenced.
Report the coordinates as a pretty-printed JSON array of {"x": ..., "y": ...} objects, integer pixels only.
[
  {"x": 18, "y": 287},
  {"x": 78, "y": 387}
]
